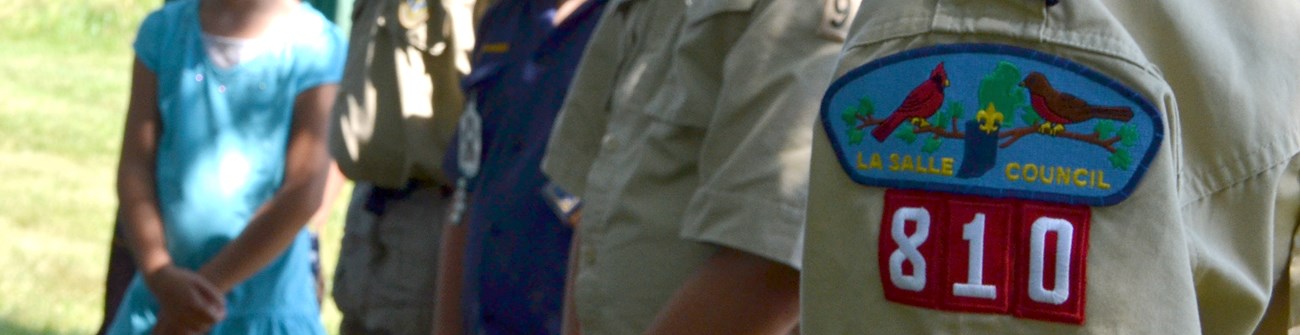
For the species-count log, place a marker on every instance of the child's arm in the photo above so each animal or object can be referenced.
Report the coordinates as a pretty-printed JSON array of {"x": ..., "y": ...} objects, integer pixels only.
[
  {"x": 569, "y": 324},
  {"x": 275, "y": 225},
  {"x": 333, "y": 185},
  {"x": 449, "y": 318},
  {"x": 734, "y": 292},
  {"x": 185, "y": 297}
]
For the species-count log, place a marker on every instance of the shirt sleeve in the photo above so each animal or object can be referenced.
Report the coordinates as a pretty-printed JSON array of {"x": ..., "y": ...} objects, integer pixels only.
[
  {"x": 322, "y": 59},
  {"x": 579, "y": 127},
  {"x": 1209, "y": 219},
  {"x": 761, "y": 98},
  {"x": 149, "y": 39}
]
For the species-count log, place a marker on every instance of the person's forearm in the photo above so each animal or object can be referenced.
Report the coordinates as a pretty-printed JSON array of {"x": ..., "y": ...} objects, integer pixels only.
[
  {"x": 450, "y": 319},
  {"x": 734, "y": 292},
  {"x": 181, "y": 294},
  {"x": 333, "y": 185},
  {"x": 278, "y": 221},
  {"x": 135, "y": 174},
  {"x": 267, "y": 236},
  {"x": 143, "y": 224},
  {"x": 570, "y": 325}
]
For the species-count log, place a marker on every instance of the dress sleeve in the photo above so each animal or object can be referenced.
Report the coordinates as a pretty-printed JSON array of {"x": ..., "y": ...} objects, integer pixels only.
[
  {"x": 760, "y": 105},
  {"x": 322, "y": 59},
  {"x": 149, "y": 39}
]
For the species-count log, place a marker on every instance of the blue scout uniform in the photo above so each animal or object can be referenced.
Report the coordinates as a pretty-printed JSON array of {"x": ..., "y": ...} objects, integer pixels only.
[{"x": 516, "y": 247}]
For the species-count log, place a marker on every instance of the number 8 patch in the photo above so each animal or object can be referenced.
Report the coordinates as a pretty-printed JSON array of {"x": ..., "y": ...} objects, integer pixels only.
[{"x": 985, "y": 255}]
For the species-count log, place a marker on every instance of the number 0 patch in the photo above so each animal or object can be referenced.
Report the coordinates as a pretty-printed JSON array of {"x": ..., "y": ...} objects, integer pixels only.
[{"x": 984, "y": 255}]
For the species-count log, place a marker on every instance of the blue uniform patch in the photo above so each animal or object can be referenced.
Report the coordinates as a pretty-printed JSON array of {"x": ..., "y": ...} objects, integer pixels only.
[{"x": 991, "y": 120}]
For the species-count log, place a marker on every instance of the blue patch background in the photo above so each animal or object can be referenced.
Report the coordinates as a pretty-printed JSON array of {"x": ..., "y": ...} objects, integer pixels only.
[{"x": 887, "y": 82}]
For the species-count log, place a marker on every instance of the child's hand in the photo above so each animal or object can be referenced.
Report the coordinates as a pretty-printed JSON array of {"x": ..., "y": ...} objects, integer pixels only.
[
  {"x": 168, "y": 326},
  {"x": 189, "y": 302}
]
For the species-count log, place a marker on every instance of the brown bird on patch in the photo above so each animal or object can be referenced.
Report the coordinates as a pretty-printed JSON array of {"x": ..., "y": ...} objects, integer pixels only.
[{"x": 1059, "y": 109}]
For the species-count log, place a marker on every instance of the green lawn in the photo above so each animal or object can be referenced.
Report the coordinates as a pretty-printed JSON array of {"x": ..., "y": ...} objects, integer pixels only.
[{"x": 64, "y": 77}]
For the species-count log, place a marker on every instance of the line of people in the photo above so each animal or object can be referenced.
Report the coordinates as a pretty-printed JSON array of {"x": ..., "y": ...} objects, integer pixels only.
[{"x": 653, "y": 167}]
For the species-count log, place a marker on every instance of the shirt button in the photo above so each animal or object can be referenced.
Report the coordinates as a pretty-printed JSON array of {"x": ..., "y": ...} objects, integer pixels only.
[{"x": 609, "y": 142}]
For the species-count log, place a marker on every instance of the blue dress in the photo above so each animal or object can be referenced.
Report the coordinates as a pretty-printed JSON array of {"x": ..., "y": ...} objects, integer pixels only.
[{"x": 221, "y": 155}]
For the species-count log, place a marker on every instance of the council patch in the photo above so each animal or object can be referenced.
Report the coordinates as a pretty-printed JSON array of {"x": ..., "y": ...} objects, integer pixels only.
[{"x": 991, "y": 120}]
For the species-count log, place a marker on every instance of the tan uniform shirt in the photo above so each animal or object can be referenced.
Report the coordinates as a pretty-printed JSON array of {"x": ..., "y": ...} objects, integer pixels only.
[
  {"x": 687, "y": 127},
  {"x": 1206, "y": 238},
  {"x": 400, "y": 96}
]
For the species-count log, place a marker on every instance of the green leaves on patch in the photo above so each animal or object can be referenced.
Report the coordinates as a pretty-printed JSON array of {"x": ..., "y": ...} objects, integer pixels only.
[
  {"x": 864, "y": 108},
  {"x": 906, "y": 132},
  {"x": 1002, "y": 88},
  {"x": 852, "y": 116},
  {"x": 1104, "y": 129},
  {"x": 943, "y": 118},
  {"x": 1128, "y": 138},
  {"x": 1128, "y": 135},
  {"x": 855, "y": 136},
  {"x": 1121, "y": 159},
  {"x": 938, "y": 122},
  {"x": 1029, "y": 116},
  {"x": 931, "y": 145}
]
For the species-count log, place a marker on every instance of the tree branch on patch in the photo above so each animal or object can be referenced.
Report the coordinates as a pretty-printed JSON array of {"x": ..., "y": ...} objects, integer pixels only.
[
  {"x": 1094, "y": 138},
  {"x": 868, "y": 121},
  {"x": 940, "y": 132}
]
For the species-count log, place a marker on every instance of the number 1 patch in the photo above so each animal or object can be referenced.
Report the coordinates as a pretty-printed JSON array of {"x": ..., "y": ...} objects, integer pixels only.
[{"x": 984, "y": 255}]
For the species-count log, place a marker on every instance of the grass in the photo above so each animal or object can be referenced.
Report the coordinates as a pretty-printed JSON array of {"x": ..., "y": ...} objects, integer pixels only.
[{"x": 64, "y": 79}]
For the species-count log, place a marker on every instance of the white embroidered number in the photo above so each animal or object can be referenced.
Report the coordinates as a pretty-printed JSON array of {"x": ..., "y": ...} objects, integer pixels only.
[
  {"x": 978, "y": 255},
  {"x": 907, "y": 248},
  {"x": 974, "y": 286},
  {"x": 1060, "y": 291}
]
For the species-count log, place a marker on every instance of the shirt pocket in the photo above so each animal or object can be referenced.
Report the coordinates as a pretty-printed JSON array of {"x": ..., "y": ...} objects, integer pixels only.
[
  {"x": 647, "y": 32},
  {"x": 695, "y": 79}
]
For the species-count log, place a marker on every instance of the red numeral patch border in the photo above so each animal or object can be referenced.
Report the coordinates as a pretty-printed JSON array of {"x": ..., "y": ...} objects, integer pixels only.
[{"x": 1007, "y": 232}]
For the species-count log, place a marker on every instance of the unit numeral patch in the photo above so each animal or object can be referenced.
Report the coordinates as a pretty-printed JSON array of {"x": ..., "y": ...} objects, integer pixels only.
[{"x": 984, "y": 255}]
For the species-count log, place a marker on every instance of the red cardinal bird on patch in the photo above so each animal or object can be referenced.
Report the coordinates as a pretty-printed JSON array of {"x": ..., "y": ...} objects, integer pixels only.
[
  {"x": 920, "y": 104},
  {"x": 1059, "y": 109}
]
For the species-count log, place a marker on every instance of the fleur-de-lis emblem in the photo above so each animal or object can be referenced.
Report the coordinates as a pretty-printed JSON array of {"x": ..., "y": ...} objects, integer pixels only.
[{"x": 990, "y": 119}]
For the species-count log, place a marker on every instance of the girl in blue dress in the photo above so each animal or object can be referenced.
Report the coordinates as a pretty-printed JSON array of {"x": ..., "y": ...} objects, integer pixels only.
[{"x": 223, "y": 163}]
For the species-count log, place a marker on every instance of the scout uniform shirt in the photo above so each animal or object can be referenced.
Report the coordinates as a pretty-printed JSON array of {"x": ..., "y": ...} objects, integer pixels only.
[
  {"x": 400, "y": 98},
  {"x": 393, "y": 118},
  {"x": 516, "y": 248},
  {"x": 687, "y": 128},
  {"x": 1115, "y": 167}
]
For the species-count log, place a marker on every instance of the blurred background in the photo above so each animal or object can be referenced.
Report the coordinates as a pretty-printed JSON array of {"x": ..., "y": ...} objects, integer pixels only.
[{"x": 64, "y": 78}]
